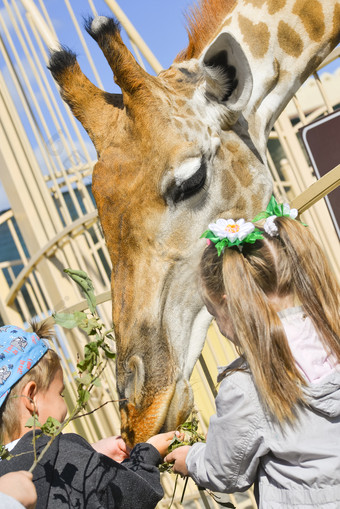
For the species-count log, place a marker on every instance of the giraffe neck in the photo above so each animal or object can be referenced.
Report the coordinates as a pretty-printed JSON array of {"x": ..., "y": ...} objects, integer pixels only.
[{"x": 284, "y": 42}]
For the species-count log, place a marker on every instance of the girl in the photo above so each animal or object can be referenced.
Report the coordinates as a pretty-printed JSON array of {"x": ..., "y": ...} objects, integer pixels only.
[{"x": 277, "y": 423}]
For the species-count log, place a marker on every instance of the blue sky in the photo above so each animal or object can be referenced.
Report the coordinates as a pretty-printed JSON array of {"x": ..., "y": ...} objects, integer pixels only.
[{"x": 161, "y": 25}]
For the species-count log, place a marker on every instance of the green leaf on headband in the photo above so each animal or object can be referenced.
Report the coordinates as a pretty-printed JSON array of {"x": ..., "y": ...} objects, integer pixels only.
[
  {"x": 208, "y": 234},
  {"x": 253, "y": 237},
  {"x": 273, "y": 209},
  {"x": 220, "y": 244},
  {"x": 260, "y": 216}
]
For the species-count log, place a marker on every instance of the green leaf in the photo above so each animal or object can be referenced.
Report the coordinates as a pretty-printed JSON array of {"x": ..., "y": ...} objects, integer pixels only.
[
  {"x": 51, "y": 426},
  {"x": 108, "y": 353},
  {"x": 4, "y": 453},
  {"x": 91, "y": 347},
  {"x": 83, "y": 396},
  {"x": 260, "y": 216},
  {"x": 253, "y": 237},
  {"x": 85, "y": 379},
  {"x": 84, "y": 282},
  {"x": 208, "y": 234},
  {"x": 89, "y": 325},
  {"x": 175, "y": 441},
  {"x": 96, "y": 382},
  {"x": 66, "y": 320},
  {"x": 33, "y": 422}
]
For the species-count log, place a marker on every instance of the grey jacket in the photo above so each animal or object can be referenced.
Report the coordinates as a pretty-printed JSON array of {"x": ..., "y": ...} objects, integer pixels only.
[
  {"x": 73, "y": 475},
  {"x": 293, "y": 467}
]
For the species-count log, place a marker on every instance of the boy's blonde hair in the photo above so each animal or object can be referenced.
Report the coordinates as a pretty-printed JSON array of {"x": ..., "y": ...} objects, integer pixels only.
[
  {"x": 42, "y": 373},
  {"x": 291, "y": 264}
]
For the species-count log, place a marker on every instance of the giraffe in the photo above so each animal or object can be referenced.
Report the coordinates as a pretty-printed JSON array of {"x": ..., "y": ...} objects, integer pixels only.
[{"x": 175, "y": 152}]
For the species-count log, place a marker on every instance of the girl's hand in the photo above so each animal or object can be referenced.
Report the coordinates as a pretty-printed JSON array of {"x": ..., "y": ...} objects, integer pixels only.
[
  {"x": 163, "y": 440},
  {"x": 113, "y": 447},
  {"x": 178, "y": 457},
  {"x": 19, "y": 485}
]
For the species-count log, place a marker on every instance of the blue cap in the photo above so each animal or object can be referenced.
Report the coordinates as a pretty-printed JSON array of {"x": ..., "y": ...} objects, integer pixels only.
[{"x": 19, "y": 352}]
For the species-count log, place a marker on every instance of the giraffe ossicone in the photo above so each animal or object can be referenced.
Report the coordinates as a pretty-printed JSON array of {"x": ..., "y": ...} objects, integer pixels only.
[{"x": 175, "y": 152}]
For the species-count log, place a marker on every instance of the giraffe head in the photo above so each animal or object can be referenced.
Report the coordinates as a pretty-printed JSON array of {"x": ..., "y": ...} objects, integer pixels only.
[{"x": 175, "y": 152}]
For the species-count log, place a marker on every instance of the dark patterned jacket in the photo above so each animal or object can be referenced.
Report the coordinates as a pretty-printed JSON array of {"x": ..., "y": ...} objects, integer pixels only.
[{"x": 73, "y": 475}]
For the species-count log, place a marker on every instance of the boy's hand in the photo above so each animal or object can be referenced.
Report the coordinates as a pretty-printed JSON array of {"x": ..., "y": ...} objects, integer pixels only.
[
  {"x": 163, "y": 440},
  {"x": 178, "y": 457},
  {"x": 19, "y": 485},
  {"x": 113, "y": 447}
]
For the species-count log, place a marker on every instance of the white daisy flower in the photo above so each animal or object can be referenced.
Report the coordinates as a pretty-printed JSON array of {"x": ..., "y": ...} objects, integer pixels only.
[{"x": 230, "y": 229}]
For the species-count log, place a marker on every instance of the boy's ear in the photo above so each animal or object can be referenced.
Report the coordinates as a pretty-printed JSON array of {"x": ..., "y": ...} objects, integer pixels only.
[{"x": 28, "y": 395}]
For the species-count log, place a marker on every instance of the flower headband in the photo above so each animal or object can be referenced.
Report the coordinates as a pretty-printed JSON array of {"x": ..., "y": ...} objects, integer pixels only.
[
  {"x": 273, "y": 211},
  {"x": 230, "y": 233}
]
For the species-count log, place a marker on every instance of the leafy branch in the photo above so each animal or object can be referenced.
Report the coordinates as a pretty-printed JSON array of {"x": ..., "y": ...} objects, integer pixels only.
[
  {"x": 89, "y": 368},
  {"x": 191, "y": 437}
]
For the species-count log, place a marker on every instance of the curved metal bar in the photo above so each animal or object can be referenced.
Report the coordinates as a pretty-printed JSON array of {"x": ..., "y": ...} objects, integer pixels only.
[{"x": 85, "y": 222}]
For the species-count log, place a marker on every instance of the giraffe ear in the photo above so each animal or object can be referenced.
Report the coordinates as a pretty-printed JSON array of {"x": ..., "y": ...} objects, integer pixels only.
[{"x": 229, "y": 79}]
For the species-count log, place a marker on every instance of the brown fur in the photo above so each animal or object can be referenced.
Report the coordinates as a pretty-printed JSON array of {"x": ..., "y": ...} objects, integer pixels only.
[
  {"x": 203, "y": 21},
  {"x": 257, "y": 36},
  {"x": 289, "y": 40},
  {"x": 275, "y": 5},
  {"x": 312, "y": 17},
  {"x": 336, "y": 25}
]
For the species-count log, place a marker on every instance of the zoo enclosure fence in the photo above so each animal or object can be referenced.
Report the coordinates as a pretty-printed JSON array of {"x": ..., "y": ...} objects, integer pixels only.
[{"x": 46, "y": 162}]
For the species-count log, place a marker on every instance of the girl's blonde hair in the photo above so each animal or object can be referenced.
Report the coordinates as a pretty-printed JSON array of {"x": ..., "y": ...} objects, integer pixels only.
[
  {"x": 291, "y": 264},
  {"x": 42, "y": 373}
]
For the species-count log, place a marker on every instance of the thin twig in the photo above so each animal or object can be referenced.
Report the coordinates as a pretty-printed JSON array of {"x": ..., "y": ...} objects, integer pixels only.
[{"x": 92, "y": 411}]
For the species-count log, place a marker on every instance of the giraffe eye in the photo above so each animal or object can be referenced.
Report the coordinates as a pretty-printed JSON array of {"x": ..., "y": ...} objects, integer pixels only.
[{"x": 183, "y": 190}]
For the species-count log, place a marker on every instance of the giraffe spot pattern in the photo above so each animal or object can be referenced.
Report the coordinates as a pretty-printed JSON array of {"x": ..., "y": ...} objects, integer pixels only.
[
  {"x": 289, "y": 40},
  {"x": 240, "y": 169},
  {"x": 241, "y": 204},
  {"x": 312, "y": 17},
  {"x": 256, "y": 36},
  {"x": 273, "y": 5},
  {"x": 256, "y": 199},
  {"x": 229, "y": 184},
  {"x": 255, "y": 3},
  {"x": 232, "y": 147}
]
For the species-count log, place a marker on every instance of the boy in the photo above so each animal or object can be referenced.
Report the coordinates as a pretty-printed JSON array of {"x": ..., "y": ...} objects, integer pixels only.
[{"x": 72, "y": 473}]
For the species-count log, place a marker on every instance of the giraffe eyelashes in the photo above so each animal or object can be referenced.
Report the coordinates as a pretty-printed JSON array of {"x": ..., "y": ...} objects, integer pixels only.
[{"x": 181, "y": 191}]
